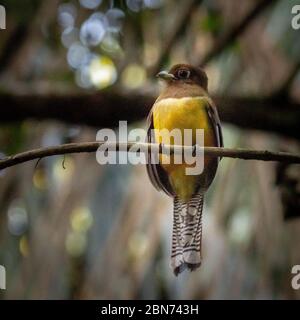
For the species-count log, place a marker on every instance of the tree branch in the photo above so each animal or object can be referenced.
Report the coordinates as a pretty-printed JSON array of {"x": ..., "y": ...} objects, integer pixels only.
[
  {"x": 144, "y": 147},
  {"x": 106, "y": 108}
]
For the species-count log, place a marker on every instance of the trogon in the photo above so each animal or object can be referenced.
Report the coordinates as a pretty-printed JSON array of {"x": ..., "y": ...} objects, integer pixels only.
[{"x": 184, "y": 103}]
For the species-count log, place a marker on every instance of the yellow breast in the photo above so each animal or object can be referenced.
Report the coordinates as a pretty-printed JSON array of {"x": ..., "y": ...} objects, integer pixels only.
[{"x": 181, "y": 113}]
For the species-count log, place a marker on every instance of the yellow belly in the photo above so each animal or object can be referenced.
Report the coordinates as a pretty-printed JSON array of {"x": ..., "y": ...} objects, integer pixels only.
[{"x": 182, "y": 113}]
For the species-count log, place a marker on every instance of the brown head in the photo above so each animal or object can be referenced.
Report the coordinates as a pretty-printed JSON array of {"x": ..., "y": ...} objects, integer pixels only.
[{"x": 185, "y": 74}]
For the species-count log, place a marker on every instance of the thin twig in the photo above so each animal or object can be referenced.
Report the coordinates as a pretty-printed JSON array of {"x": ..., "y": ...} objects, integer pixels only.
[
  {"x": 63, "y": 162},
  {"x": 37, "y": 163},
  {"x": 244, "y": 154}
]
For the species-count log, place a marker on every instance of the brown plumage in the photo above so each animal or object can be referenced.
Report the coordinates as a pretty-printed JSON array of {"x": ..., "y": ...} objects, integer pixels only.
[{"x": 185, "y": 103}]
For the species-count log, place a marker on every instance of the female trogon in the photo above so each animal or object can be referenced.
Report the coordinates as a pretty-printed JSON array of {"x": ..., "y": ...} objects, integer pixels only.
[{"x": 184, "y": 103}]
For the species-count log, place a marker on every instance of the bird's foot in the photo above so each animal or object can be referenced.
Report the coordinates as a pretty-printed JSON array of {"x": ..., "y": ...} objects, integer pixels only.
[
  {"x": 160, "y": 147},
  {"x": 194, "y": 151}
]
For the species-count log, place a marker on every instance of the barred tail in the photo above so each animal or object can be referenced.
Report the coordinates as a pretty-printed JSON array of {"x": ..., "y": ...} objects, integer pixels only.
[{"x": 187, "y": 234}]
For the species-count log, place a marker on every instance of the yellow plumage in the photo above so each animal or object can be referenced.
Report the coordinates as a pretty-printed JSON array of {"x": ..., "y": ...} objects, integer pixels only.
[{"x": 182, "y": 113}]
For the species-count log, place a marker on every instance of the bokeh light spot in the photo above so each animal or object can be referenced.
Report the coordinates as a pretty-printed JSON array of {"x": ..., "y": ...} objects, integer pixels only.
[
  {"x": 17, "y": 220},
  {"x": 153, "y": 4},
  {"x": 24, "y": 246},
  {"x": 78, "y": 55},
  {"x": 138, "y": 245},
  {"x": 90, "y": 4},
  {"x": 76, "y": 243},
  {"x": 102, "y": 72},
  {"x": 81, "y": 219},
  {"x": 69, "y": 36},
  {"x": 66, "y": 15},
  {"x": 92, "y": 32},
  {"x": 40, "y": 179},
  {"x": 82, "y": 77},
  {"x": 111, "y": 45},
  {"x": 60, "y": 174},
  {"x": 240, "y": 227},
  {"x": 135, "y": 5},
  {"x": 134, "y": 76},
  {"x": 114, "y": 17}
]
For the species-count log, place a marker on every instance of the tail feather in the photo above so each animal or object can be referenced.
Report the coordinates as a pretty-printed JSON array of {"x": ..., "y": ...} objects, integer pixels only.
[{"x": 187, "y": 234}]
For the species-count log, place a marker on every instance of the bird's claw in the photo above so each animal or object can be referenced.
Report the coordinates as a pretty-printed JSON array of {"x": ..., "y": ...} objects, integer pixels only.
[{"x": 194, "y": 151}]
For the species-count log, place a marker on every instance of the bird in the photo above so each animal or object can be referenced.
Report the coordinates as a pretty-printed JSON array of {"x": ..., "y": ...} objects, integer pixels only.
[{"x": 184, "y": 103}]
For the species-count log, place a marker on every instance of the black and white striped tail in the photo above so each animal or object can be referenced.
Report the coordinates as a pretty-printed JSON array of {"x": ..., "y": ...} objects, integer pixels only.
[{"x": 187, "y": 234}]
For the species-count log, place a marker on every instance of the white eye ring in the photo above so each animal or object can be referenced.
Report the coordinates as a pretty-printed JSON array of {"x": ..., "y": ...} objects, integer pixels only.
[{"x": 183, "y": 74}]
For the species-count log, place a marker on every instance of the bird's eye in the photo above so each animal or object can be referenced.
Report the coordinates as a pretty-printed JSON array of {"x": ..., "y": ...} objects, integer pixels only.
[{"x": 183, "y": 74}]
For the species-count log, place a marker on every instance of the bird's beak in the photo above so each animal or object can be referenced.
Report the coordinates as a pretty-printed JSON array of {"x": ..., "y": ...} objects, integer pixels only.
[{"x": 165, "y": 75}]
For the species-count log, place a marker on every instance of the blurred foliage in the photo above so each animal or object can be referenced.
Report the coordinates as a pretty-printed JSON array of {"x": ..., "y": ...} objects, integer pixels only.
[
  {"x": 12, "y": 138},
  {"x": 212, "y": 23},
  {"x": 21, "y": 11}
]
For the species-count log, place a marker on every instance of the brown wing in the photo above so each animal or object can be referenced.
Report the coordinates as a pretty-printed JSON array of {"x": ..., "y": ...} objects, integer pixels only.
[
  {"x": 206, "y": 178},
  {"x": 215, "y": 120},
  {"x": 156, "y": 173}
]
